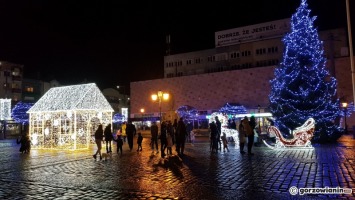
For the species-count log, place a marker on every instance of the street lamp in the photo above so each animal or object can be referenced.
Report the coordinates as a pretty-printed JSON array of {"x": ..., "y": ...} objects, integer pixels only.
[
  {"x": 345, "y": 106},
  {"x": 350, "y": 47},
  {"x": 142, "y": 111},
  {"x": 159, "y": 97}
]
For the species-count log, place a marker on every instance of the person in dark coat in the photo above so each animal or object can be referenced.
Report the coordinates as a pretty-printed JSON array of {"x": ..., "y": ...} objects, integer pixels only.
[
  {"x": 25, "y": 143},
  {"x": 119, "y": 141},
  {"x": 130, "y": 131},
  {"x": 163, "y": 141},
  {"x": 99, "y": 135},
  {"x": 181, "y": 134},
  {"x": 175, "y": 127},
  {"x": 214, "y": 135},
  {"x": 219, "y": 128},
  {"x": 233, "y": 125},
  {"x": 139, "y": 141},
  {"x": 108, "y": 138},
  {"x": 154, "y": 130}
]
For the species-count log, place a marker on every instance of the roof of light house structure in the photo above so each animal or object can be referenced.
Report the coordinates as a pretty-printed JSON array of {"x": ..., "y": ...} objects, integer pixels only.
[{"x": 74, "y": 97}]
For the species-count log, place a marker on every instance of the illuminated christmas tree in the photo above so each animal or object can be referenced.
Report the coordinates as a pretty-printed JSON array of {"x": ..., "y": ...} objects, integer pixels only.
[{"x": 302, "y": 87}]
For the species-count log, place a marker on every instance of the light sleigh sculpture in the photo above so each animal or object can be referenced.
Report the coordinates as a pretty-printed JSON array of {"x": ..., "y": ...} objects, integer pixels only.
[
  {"x": 67, "y": 117},
  {"x": 301, "y": 137}
]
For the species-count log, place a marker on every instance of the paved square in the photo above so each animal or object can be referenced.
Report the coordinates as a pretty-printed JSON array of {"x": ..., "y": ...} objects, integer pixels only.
[{"x": 200, "y": 174}]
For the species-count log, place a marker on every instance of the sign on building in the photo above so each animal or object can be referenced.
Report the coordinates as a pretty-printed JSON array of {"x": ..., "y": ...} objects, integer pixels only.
[{"x": 252, "y": 32}]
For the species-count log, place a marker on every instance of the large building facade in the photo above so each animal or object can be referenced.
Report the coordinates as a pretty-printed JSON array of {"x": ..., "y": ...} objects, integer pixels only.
[
  {"x": 11, "y": 75},
  {"x": 237, "y": 70}
]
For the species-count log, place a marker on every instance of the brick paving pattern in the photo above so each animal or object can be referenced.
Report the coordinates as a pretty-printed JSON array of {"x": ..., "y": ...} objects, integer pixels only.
[{"x": 200, "y": 174}]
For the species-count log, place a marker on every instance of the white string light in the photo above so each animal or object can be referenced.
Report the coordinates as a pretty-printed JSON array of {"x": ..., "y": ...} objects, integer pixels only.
[{"x": 66, "y": 117}]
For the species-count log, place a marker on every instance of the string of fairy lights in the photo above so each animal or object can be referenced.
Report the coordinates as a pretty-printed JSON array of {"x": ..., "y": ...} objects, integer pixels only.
[
  {"x": 302, "y": 87},
  {"x": 67, "y": 117}
]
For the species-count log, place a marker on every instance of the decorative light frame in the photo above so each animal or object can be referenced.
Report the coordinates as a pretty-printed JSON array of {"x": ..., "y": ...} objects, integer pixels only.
[
  {"x": 67, "y": 117},
  {"x": 5, "y": 109}
]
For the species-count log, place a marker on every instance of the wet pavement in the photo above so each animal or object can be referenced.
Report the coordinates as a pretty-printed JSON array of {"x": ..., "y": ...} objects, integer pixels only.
[{"x": 199, "y": 174}]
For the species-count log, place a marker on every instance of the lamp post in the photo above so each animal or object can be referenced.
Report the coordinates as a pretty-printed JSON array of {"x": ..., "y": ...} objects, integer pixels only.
[
  {"x": 142, "y": 111},
  {"x": 159, "y": 97},
  {"x": 350, "y": 47},
  {"x": 345, "y": 107}
]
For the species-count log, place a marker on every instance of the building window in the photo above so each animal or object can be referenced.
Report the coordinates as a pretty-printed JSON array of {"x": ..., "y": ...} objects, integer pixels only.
[
  {"x": 197, "y": 60},
  {"x": 29, "y": 89}
]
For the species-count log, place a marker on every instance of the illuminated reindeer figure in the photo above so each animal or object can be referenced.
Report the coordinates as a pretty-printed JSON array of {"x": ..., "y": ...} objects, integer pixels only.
[
  {"x": 224, "y": 126},
  {"x": 301, "y": 136}
]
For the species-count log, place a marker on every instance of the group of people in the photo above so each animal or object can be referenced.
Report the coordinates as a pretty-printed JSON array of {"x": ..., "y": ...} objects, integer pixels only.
[
  {"x": 170, "y": 134},
  {"x": 176, "y": 133},
  {"x": 128, "y": 130},
  {"x": 246, "y": 131}
]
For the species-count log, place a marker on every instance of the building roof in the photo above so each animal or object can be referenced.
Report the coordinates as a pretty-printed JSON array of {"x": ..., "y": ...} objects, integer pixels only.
[{"x": 74, "y": 97}]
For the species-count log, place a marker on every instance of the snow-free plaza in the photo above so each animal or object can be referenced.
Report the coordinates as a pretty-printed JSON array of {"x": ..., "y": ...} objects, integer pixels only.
[
  {"x": 301, "y": 145},
  {"x": 269, "y": 174}
]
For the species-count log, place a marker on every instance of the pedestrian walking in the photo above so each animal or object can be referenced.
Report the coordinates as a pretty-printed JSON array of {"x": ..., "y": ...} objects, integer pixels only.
[
  {"x": 174, "y": 135},
  {"x": 130, "y": 131},
  {"x": 242, "y": 137},
  {"x": 154, "y": 130},
  {"x": 181, "y": 137},
  {"x": 250, "y": 134},
  {"x": 108, "y": 138},
  {"x": 139, "y": 141},
  {"x": 225, "y": 142},
  {"x": 119, "y": 142},
  {"x": 169, "y": 133},
  {"x": 213, "y": 137},
  {"x": 189, "y": 128},
  {"x": 25, "y": 143},
  {"x": 219, "y": 128},
  {"x": 123, "y": 131},
  {"x": 163, "y": 142},
  {"x": 169, "y": 143},
  {"x": 99, "y": 135}
]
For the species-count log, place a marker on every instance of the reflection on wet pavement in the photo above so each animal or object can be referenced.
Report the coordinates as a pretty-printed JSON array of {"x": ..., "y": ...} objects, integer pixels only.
[{"x": 199, "y": 174}]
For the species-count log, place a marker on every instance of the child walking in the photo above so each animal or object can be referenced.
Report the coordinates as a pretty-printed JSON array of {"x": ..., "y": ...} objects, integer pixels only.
[
  {"x": 225, "y": 142},
  {"x": 139, "y": 141},
  {"x": 119, "y": 144}
]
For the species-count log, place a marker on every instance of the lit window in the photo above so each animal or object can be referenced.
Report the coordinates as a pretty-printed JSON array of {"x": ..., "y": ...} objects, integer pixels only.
[{"x": 29, "y": 89}]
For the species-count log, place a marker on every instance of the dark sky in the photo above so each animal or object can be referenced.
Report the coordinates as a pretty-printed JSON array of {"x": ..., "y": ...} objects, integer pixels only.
[{"x": 116, "y": 42}]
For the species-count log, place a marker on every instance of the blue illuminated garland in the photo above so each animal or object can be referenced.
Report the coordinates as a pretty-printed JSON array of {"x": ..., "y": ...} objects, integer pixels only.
[
  {"x": 118, "y": 118},
  {"x": 232, "y": 109},
  {"x": 187, "y": 112},
  {"x": 302, "y": 87},
  {"x": 19, "y": 112}
]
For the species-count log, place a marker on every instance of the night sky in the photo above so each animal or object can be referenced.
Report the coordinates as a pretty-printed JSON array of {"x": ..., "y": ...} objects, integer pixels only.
[{"x": 114, "y": 43}]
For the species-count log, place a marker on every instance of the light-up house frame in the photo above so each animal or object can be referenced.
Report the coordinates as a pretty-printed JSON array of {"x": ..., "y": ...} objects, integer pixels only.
[{"x": 67, "y": 117}]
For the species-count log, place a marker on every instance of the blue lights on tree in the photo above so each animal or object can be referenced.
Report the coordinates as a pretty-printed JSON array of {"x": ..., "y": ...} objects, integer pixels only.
[
  {"x": 19, "y": 112},
  {"x": 302, "y": 87}
]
